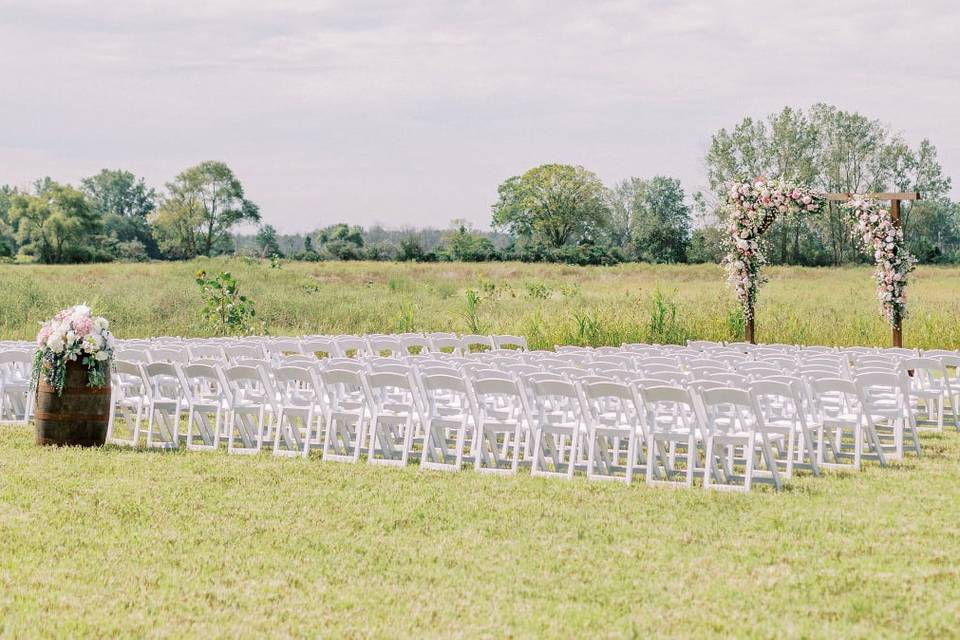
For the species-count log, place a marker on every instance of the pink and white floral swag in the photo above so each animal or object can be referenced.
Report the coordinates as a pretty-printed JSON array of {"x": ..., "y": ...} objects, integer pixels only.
[
  {"x": 875, "y": 231},
  {"x": 753, "y": 207}
]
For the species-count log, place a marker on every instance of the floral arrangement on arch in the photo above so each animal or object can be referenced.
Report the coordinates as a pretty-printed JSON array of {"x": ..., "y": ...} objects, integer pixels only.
[
  {"x": 875, "y": 231},
  {"x": 753, "y": 207},
  {"x": 74, "y": 335}
]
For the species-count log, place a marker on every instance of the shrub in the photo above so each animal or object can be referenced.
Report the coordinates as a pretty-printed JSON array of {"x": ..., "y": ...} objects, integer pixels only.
[{"x": 225, "y": 309}]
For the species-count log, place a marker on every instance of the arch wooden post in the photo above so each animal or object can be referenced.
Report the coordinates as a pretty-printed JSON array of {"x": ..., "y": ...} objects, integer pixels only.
[
  {"x": 894, "y": 198},
  {"x": 895, "y": 216},
  {"x": 749, "y": 331}
]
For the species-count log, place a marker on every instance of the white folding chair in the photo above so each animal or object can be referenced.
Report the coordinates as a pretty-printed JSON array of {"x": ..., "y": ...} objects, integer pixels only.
[
  {"x": 299, "y": 408},
  {"x": 252, "y": 400},
  {"x": 672, "y": 427},
  {"x": 518, "y": 343},
  {"x": 560, "y": 425},
  {"x": 503, "y": 425},
  {"x": 394, "y": 403},
  {"x": 208, "y": 402},
  {"x": 345, "y": 414},
  {"x": 839, "y": 411},
  {"x": 165, "y": 403},
  {"x": 886, "y": 410},
  {"x": 780, "y": 410},
  {"x": 129, "y": 402},
  {"x": 929, "y": 386},
  {"x": 614, "y": 430},
  {"x": 449, "y": 415},
  {"x": 732, "y": 422}
]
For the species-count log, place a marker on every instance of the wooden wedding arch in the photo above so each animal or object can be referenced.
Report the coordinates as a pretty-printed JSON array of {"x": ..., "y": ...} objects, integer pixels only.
[{"x": 895, "y": 199}]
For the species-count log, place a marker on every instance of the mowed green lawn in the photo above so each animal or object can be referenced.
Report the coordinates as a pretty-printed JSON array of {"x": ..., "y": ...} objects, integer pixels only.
[
  {"x": 118, "y": 542},
  {"x": 131, "y": 543}
]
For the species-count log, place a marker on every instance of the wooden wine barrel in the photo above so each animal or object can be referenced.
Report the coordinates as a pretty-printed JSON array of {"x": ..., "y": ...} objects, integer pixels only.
[{"x": 76, "y": 417}]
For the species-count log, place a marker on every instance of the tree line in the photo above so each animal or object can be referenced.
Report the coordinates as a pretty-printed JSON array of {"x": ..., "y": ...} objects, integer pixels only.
[{"x": 553, "y": 212}]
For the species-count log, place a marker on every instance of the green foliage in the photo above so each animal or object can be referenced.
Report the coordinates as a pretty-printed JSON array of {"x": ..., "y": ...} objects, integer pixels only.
[
  {"x": 56, "y": 225},
  {"x": 267, "y": 245},
  {"x": 651, "y": 219},
  {"x": 406, "y": 318},
  {"x": 737, "y": 324},
  {"x": 553, "y": 204},
  {"x": 462, "y": 244},
  {"x": 202, "y": 205},
  {"x": 225, "y": 309},
  {"x": 538, "y": 291},
  {"x": 472, "y": 314},
  {"x": 663, "y": 326}
]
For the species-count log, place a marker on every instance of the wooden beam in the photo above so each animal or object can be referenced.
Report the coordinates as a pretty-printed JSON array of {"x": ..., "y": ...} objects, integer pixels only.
[
  {"x": 895, "y": 215},
  {"x": 905, "y": 195}
]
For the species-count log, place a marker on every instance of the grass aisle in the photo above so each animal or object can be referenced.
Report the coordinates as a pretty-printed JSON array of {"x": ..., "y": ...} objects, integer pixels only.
[{"x": 130, "y": 543}]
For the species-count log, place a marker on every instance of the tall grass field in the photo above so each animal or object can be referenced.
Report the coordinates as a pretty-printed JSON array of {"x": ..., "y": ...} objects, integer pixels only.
[
  {"x": 129, "y": 543},
  {"x": 550, "y": 304}
]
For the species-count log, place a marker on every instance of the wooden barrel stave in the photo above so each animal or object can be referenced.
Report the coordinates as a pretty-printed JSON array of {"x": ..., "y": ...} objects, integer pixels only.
[{"x": 77, "y": 417}]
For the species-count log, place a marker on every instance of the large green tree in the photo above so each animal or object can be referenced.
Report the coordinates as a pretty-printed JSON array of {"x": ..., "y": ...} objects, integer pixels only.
[
  {"x": 124, "y": 201},
  {"x": 55, "y": 224},
  {"x": 203, "y": 204},
  {"x": 651, "y": 219},
  {"x": 553, "y": 204},
  {"x": 8, "y": 240}
]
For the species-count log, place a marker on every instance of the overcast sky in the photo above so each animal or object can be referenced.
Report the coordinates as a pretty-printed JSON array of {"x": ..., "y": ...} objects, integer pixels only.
[{"x": 411, "y": 113}]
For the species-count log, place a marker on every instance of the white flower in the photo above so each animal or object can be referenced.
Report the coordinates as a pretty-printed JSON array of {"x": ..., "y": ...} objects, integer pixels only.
[
  {"x": 55, "y": 343},
  {"x": 101, "y": 356}
]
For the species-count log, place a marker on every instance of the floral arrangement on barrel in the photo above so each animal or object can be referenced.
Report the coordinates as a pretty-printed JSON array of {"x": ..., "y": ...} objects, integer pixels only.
[
  {"x": 74, "y": 335},
  {"x": 876, "y": 232},
  {"x": 753, "y": 206}
]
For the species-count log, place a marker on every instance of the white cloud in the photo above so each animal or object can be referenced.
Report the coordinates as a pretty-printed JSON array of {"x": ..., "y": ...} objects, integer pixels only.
[{"x": 412, "y": 113}]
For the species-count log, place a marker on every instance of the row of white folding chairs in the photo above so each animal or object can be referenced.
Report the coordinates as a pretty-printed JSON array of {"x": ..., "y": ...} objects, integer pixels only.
[
  {"x": 555, "y": 450},
  {"x": 340, "y": 346}
]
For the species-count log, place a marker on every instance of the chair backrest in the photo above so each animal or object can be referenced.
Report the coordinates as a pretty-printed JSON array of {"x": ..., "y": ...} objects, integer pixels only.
[
  {"x": 128, "y": 379},
  {"x": 169, "y": 355},
  {"x": 510, "y": 342},
  {"x": 320, "y": 347},
  {"x": 445, "y": 342},
  {"x": 779, "y": 401},
  {"x": 387, "y": 386},
  {"x": 386, "y": 346},
  {"x": 441, "y": 391},
  {"x": 351, "y": 346},
  {"x": 668, "y": 408},
  {"x": 883, "y": 392},
  {"x": 387, "y": 364},
  {"x": 834, "y": 396},
  {"x": 308, "y": 361},
  {"x": 297, "y": 386},
  {"x": 500, "y": 400},
  {"x": 203, "y": 382},
  {"x": 162, "y": 380},
  {"x": 342, "y": 363},
  {"x": 727, "y": 410},
  {"x": 133, "y": 355},
  {"x": 415, "y": 343},
  {"x": 205, "y": 351},
  {"x": 235, "y": 352}
]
